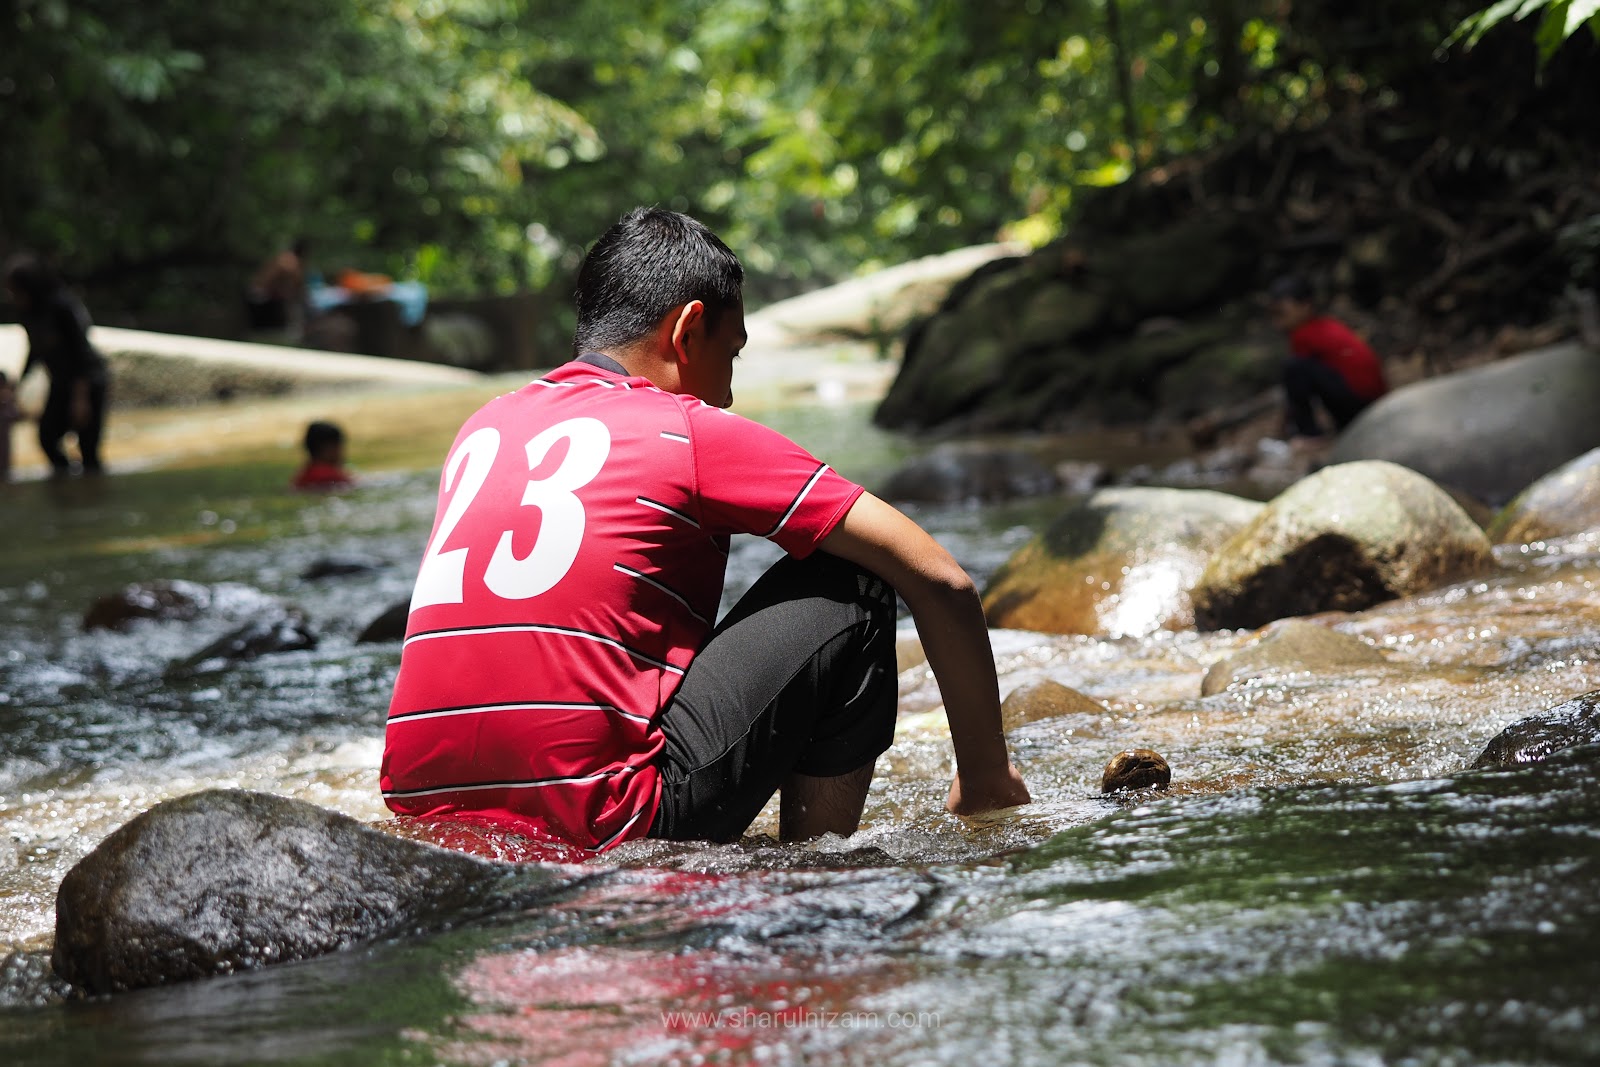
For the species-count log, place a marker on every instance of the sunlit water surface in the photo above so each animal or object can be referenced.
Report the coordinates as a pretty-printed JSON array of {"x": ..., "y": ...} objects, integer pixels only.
[{"x": 1324, "y": 883}]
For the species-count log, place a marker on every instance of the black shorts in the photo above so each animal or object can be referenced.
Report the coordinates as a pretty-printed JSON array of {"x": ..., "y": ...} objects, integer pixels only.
[{"x": 798, "y": 679}]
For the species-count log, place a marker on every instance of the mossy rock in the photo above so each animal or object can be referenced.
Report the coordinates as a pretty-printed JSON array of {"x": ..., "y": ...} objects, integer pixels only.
[
  {"x": 1343, "y": 539},
  {"x": 1565, "y": 501},
  {"x": 1120, "y": 561}
]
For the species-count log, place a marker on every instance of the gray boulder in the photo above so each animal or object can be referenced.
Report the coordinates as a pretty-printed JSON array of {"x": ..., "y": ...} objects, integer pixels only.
[
  {"x": 1489, "y": 431},
  {"x": 1565, "y": 501},
  {"x": 1343, "y": 539},
  {"x": 1119, "y": 562},
  {"x": 1291, "y": 646},
  {"x": 227, "y": 880},
  {"x": 1531, "y": 740}
]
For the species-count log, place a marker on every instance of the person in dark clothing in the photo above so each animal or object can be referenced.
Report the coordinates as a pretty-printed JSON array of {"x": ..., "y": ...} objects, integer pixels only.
[
  {"x": 1328, "y": 365},
  {"x": 57, "y": 326}
]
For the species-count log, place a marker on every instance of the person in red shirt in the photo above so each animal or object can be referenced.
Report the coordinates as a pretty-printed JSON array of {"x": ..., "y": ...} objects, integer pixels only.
[
  {"x": 1328, "y": 363},
  {"x": 563, "y": 675},
  {"x": 324, "y": 468}
]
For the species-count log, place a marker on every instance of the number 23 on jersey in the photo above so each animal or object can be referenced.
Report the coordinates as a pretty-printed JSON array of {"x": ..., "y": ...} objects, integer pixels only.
[{"x": 442, "y": 577}]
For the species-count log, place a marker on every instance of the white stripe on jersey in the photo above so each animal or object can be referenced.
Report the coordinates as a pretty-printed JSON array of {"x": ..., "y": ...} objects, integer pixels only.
[
  {"x": 533, "y": 628},
  {"x": 674, "y": 512},
  {"x": 816, "y": 477},
  {"x": 484, "y": 709},
  {"x": 674, "y": 594},
  {"x": 478, "y": 787}
]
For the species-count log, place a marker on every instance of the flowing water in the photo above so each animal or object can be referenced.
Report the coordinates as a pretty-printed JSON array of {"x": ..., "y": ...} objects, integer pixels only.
[{"x": 1324, "y": 883}]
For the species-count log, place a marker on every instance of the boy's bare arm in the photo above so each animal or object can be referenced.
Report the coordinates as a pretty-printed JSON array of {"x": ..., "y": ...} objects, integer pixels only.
[{"x": 949, "y": 617}]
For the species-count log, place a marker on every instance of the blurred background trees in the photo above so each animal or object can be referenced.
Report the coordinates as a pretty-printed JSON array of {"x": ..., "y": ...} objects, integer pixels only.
[{"x": 158, "y": 151}]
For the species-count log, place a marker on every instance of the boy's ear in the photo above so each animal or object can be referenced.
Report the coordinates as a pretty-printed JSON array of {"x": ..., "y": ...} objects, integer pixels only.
[{"x": 688, "y": 327}]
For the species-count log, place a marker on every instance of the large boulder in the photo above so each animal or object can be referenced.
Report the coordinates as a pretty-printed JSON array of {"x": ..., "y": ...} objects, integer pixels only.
[
  {"x": 1343, "y": 539},
  {"x": 1121, "y": 561},
  {"x": 1531, "y": 740},
  {"x": 1489, "y": 431},
  {"x": 226, "y": 880},
  {"x": 1292, "y": 646},
  {"x": 1565, "y": 501}
]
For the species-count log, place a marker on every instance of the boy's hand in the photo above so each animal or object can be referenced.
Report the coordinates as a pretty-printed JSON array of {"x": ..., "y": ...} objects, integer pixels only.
[{"x": 1004, "y": 790}]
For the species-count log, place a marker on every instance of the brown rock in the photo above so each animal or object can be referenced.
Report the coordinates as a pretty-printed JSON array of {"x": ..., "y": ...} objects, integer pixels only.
[
  {"x": 1045, "y": 700},
  {"x": 1138, "y": 768},
  {"x": 1120, "y": 562},
  {"x": 1288, "y": 646},
  {"x": 1346, "y": 538}
]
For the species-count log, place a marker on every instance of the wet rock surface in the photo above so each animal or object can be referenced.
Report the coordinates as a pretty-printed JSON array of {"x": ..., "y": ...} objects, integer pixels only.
[
  {"x": 282, "y": 629},
  {"x": 225, "y": 880},
  {"x": 173, "y": 599},
  {"x": 341, "y": 567},
  {"x": 1121, "y": 561},
  {"x": 390, "y": 625},
  {"x": 1565, "y": 501},
  {"x": 1045, "y": 699},
  {"x": 1289, "y": 647},
  {"x": 1345, "y": 538},
  {"x": 1532, "y": 740}
]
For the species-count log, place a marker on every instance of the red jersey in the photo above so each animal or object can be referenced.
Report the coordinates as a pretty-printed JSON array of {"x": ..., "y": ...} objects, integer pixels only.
[
  {"x": 323, "y": 476},
  {"x": 574, "y": 570},
  {"x": 1331, "y": 342}
]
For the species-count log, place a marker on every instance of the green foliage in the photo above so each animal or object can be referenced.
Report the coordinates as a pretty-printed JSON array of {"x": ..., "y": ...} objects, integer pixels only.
[
  {"x": 1558, "y": 20},
  {"x": 161, "y": 151}
]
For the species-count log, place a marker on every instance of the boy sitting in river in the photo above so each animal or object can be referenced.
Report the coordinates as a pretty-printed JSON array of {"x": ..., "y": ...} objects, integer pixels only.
[
  {"x": 564, "y": 674},
  {"x": 324, "y": 468}
]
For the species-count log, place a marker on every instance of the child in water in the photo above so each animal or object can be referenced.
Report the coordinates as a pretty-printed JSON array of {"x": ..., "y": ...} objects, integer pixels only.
[{"x": 324, "y": 467}]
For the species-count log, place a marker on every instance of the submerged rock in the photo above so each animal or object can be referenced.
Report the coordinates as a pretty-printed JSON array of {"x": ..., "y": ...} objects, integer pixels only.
[
  {"x": 389, "y": 626},
  {"x": 1565, "y": 501},
  {"x": 227, "y": 880},
  {"x": 163, "y": 599},
  {"x": 1045, "y": 699},
  {"x": 283, "y": 630},
  {"x": 1137, "y": 768},
  {"x": 1292, "y": 645},
  {"x": 1531, "y": 740},
  {"x": 950, "y": 474},
  {"x": 1343, "y": 539},
  {"x": 1490, "y": 430},
  {"x": 341, "y": 567},
  {"x": 1120, "y": 562}
]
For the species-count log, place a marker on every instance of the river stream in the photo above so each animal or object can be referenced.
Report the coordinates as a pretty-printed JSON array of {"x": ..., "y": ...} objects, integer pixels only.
[{"x": 1324, "y": 883}]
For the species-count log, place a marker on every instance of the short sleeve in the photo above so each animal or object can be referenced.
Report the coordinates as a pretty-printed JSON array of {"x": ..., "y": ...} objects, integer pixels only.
[{"x": 751, "y": 479}]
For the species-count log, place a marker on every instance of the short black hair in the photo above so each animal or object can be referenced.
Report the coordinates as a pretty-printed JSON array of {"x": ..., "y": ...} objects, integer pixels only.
[
  {"x": 1292, "y": 287},
  {"x": 31, "y": 276},
  {"x": 651, "y": 261},
  {"x": 320, "y": 435}
]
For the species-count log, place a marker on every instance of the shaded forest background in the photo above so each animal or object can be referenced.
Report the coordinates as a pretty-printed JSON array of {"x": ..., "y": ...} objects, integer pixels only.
[{"x": 158, "y": 152}]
